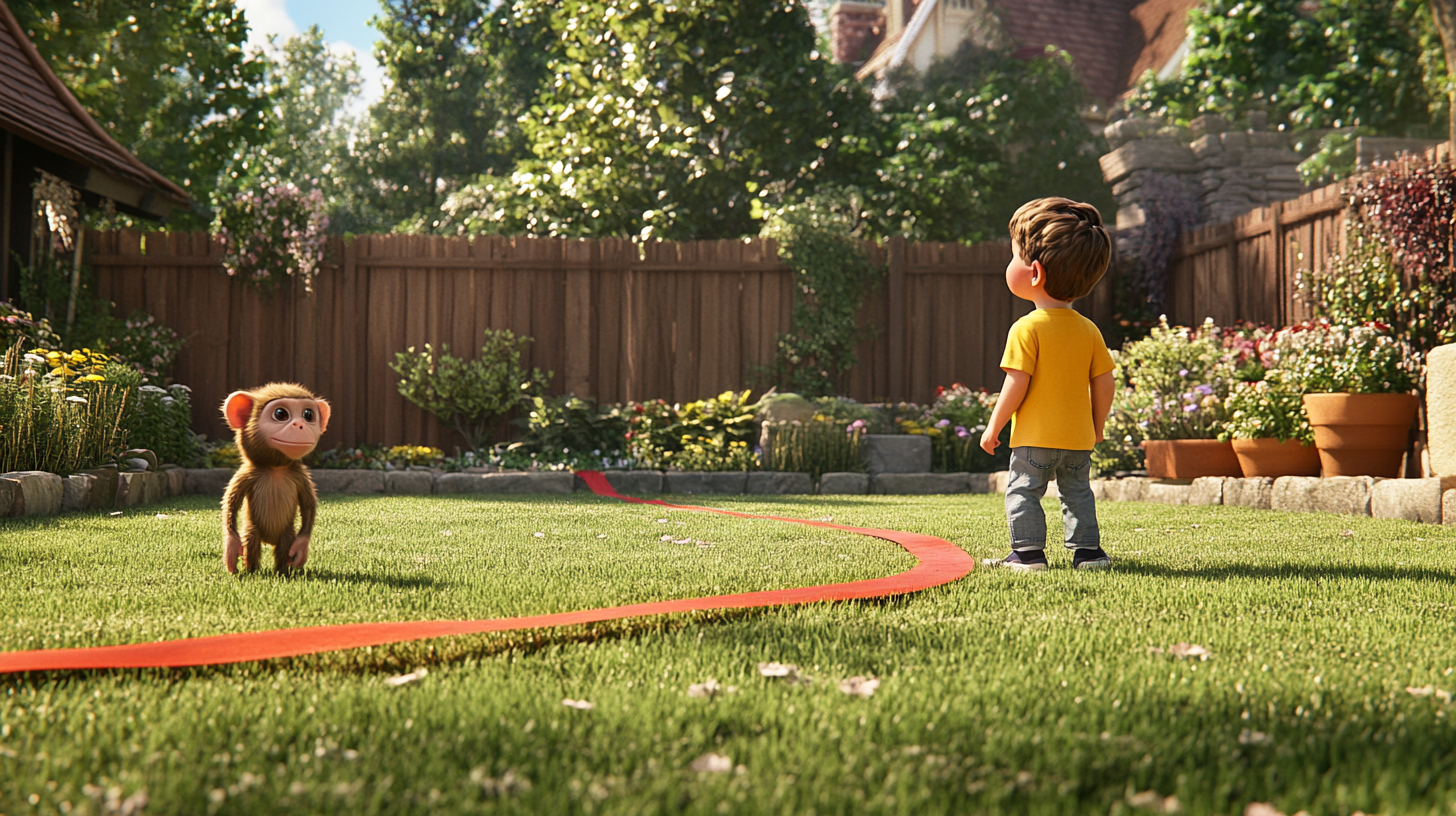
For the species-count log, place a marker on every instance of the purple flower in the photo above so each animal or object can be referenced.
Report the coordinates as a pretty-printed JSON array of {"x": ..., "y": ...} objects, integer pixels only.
[
  {"x": 944, "y": 423},
  {"x": 1182, "y": 372},
  {"x": 962, "y": 432},
  {"x": 1205, "y": 390},
  {"x": 1190, "y": 408}
]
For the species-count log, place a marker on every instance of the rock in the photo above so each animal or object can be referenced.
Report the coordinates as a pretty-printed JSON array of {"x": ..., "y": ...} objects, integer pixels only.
[
  {"x": 556, "y": 481},
  {"x": 76, "y": 492},
  {"x": 208, "y": 481},
  {"x": 409, "y": 482},
  {"x": 1409, "y": 499},
  {"x": 38, "y": 494},
  {"x": 1208, "y": 123},
  {"x": 1125, "y": 130},
  {"x": 1349, "y": 495},
  {"x": 630, "y": 482},
  {"x": 1371, "y": 149},
  {"x": 1448, "y": 506},
  {"x": 787, "y": 408},
  {"x": 1441, "y": 409},
  {"x": 897, "y": 453},
  {"x": 9, "y": 498},
  {"x": 1206, "y": 145},
  {"x": 844, "y": 484},
  {"x": 998, "y": 480},
  {"x": 1207, "y": 491},
  {"x": 350, "y": 482},
  {"x": 1234, "y": 140},
  {"x": 1131, "y": 488},
  {"x": 902, "y": 484},
  {"x": 132, "y": 488},
  {"x": 1148, "y": 154},
  {"x": 979, "y": 483},
  {"x": 1168, "y": 491},
  {"x": 174, "y": 481},
  {"x": 704, "y": 483},
  {"x": 771, "y": 482},
  {"x": 1256, "y": 492},
  {"x": 103, "y": 490},
  {"x": 1099, "y": 489}
]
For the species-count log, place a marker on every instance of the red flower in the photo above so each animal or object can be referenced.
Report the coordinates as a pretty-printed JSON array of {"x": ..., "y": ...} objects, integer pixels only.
[
  {"x": 939, "y": 391},
  {"x": 639, "y": 409}
]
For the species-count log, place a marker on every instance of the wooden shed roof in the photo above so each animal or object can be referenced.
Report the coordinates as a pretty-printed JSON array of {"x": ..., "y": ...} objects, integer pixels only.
[{"x": 36, "y": 106}]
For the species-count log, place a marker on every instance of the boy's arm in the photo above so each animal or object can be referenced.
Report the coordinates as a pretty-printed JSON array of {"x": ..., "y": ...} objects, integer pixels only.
[
  {"x": 1102, "y": 388},
  {"x": 1013, "y": 391}
]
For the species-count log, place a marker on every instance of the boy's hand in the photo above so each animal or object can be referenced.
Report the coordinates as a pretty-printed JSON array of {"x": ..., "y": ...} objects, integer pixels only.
[
  {"x": 989, "y": 440},
  {"x": 1099, "y": 435}
]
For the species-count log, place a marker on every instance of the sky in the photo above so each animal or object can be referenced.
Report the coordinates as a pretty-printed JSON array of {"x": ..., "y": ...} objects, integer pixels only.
[{"x": 345, "y": 24}]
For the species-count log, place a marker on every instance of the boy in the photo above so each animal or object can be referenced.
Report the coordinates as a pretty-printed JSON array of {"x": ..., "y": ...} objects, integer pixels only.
[{"x": 1058, "y": 387}]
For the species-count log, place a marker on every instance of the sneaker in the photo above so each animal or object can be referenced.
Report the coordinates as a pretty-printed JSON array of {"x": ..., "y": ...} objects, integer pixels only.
[
  {"x": 1090, "y": 558},
  {"x": 1025, "y": 561}
]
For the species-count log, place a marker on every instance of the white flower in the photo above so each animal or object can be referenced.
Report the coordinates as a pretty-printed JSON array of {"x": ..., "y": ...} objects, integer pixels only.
[
  {"x": 401, "y": 679},
  {"x": 712, "y": 763},
  {"x": 859, "y": 686},
  {"x": 580, "y": 705}
]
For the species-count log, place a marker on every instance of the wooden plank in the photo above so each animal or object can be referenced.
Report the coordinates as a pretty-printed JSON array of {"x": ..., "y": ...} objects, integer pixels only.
[
  {"x": 578, "y": 324},
  {"x": 895, "y": 290}
]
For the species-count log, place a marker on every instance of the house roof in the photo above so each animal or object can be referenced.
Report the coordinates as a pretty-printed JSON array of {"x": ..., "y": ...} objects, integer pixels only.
[{"x": 36, "y": 106}]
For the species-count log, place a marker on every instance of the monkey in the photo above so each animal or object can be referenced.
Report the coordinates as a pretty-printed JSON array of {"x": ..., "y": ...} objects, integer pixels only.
[{"x": 275, "y": 426}]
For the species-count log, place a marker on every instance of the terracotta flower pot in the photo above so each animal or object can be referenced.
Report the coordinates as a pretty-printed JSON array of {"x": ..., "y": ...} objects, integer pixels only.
[
  {"x": 1361, "y": 434},
  {"x": 1190, "y": 458},
  {"x": 1272, "y": 458}
]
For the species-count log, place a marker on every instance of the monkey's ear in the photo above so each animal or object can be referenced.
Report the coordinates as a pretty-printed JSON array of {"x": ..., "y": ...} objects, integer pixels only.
[
  {"x": 237, "y": 409},
  {"x": 323, "y": 409}
]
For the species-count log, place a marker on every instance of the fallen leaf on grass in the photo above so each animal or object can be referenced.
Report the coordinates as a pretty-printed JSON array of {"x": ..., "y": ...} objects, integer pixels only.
[
  {"x": 1347, "y": 533},
  {"x": 401, "y": 679},
  {"x": 992, "y": 562},
  {"x": 861, "y": 686},
  {"x": 1247, "y": 737},
  {"x": 681, "y": 540},
  {"x": 114, "y": 513},
  {"x": 1154, "y": 801},
  {"x": 539, "y": 535},
  {"x": 1427, "y": 690},
  {"x": 788, "y": 671},
  {"x": 112, "y": 804},
  {"x": 826, "y": 518},
  {"x": 712, "y": 763},
  {"x": 446, "y": 533},
  {"x": 579, "y": 705},
  {"x": 662, "y": 521},
  {"x": 665, "y": 538},
  {"x": 710, "y": 688},
  {"x": 603, "y": 535},
  {"x": 163, "y": 516},
  {"x": 1189, "y": 650},
  {"x": 507, "y": 784},
  {"x": 703, "y": 544}
]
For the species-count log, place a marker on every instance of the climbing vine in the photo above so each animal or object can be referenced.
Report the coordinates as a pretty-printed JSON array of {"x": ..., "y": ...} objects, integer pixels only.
[{"x": 832, "y": 275}]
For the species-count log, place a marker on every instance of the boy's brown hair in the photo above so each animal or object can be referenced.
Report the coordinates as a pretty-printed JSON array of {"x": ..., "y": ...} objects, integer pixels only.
[{"x": 1068, "y": 238}]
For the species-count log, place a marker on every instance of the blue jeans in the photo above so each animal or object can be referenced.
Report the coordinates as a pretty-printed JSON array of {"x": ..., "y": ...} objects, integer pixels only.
[{"x": 1031, "y": 470}]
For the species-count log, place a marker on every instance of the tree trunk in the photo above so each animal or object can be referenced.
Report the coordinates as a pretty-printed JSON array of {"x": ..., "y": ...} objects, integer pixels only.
[{"x": 1444, "y": 12}]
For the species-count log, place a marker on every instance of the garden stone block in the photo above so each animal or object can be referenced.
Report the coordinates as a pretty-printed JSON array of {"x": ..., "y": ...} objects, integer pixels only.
[
  {"x": 409, "y": 482},
  {"x": 174, "y": 481},
  {"x": 979, "y": 483},
  {"x": 1206, "y": 491},
  {"x": 1132, "y": 488},
  {"x": 506, "y": 483},
  {"x": 838, "y": 484},
  {"x": 1147, "y": 154},
  {"x": 778, "y": 483},
  {"x": 1254, "y": 492},
  {"x": 9, "y": 498},
  {"x": 76, "y": 492},
  {"x": 1168, "y": 491},
  {"x": 999, "y": 479},
  {"x": 630, "y": 482},
  {"x": 695, "y": 483},
  {"x": 1409, "y": 499},
  {"x": 1099, "y": 489},
  {"x": 1349, "y": 495},
  {"x": 130, "y": 490},
  {"x": 103, "y": 490},
  {"x": 38, "y": 493},
  {"x": 897, "y": 453},
  {"x": 902, "y": 484},
  {"x": 208, "y": 481},
  {"x": 351, "y": 482},
  {"x": 1448, "y": 506},
  {"x": 1053, "y": 490},
  {"x": 1441, "y": 409}
]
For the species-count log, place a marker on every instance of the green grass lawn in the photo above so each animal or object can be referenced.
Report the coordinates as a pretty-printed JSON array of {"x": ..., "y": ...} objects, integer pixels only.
[{"x": 1000, "y": 693}]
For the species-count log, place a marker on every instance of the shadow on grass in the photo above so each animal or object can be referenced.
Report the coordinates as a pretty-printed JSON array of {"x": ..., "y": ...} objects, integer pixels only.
[{"x": 1307, "y": 572}]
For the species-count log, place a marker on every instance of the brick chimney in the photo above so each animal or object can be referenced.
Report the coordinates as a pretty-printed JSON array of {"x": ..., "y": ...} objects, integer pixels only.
[{"x": 855, "y": 30}]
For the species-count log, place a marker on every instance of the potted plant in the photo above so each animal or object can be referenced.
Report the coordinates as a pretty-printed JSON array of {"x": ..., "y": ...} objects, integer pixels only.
[
  {"x": 1269, "y": 430},
  {"x": 1357, "y": 383},
  {"x": 1171, "y": 387}
]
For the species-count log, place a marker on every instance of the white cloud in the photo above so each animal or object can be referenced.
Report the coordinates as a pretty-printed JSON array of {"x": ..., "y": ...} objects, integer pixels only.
[
  {"x": 371, "y": 76},
  {"x": 267, "y": 17}
]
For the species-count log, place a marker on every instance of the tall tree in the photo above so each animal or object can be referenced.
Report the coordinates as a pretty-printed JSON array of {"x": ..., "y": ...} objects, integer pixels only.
[
  {"x": 1443, "y": 14},
  {"x": 459, "y": 79},
  {"x": 169, "y": 79}
]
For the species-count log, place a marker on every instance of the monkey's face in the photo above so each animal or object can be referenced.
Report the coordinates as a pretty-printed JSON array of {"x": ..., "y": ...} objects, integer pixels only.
[{"x": 291, "y": 425}]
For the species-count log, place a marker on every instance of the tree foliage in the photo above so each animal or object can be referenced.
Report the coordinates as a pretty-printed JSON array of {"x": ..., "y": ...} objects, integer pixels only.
[
  {"x": 168, "y": 79},
  {"x": 1337, "y": 63}
]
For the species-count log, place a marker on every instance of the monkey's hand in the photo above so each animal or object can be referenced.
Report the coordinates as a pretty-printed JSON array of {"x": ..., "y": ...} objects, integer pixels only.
[
  {"x": 231, "y": 550},
  {"x": 298, "y": 553}
]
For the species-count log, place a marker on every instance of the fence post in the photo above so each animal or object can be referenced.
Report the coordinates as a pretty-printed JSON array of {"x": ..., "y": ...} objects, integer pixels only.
[
  {"x": 896, "y": 286},
  {"x": 580, "y": 257},
  {"x": 1276, "y": 234}
]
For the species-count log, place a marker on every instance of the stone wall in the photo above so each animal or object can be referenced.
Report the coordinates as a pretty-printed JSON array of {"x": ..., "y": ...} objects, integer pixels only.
[{"x": 1231, "y": 170}]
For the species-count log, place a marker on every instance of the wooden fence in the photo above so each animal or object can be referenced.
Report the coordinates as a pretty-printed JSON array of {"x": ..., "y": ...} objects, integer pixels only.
[
  {"x": 1250, "y": 267},
  {"x": 612, "y": 320}
]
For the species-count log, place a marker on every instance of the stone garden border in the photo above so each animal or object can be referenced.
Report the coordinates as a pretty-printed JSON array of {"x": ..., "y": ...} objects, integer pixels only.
[{"x": 1431, "y": 501}]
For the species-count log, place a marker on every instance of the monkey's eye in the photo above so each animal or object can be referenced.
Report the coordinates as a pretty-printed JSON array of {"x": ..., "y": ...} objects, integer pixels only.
[
  {"x": 280, "y": 414},
  {"x": 308, "y": 415}
]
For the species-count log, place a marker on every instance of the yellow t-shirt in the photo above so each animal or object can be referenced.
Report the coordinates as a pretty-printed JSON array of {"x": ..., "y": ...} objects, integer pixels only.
[{"x": 1062, "y": 351}]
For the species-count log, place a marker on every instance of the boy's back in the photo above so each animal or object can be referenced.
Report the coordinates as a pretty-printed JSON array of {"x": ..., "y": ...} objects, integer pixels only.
[{"x": 1062, "y": 351}]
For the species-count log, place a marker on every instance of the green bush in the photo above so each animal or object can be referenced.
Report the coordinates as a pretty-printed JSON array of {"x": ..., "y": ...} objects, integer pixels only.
[
  {"x": 20, "y": 326},
  {"x": 469, "y": 395},
  {"x": 821, "y": 445},
  {"x": 706, "y": 430},
  {"x": 58, "y": 413},
  {"x": 160, "y": 420},
  {"x": 576, "y": 431}
]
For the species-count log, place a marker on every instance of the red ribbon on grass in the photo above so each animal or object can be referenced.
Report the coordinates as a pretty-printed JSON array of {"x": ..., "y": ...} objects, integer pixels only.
[{"x": 940, "y": 563}]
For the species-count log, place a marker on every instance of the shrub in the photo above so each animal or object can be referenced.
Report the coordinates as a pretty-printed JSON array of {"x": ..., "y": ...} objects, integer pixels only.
[
  {"x": 58, "y": 413},
  {"x": 469, "y": 396},
  {"x": 18, "y": 326},
  {"x": 1272, "y": 408},
  {"x": 1325, "y": 358},
  {"x": 146, "y": 345},
  {"x": 706, "y": 429},
  {"x": 575, "y": 430},
  {"x": 160, "y": 420},
  {"x": 821, "y": 445},
  {"x": 1178, "y": 378},
  {"x": 402, "y": 456}
]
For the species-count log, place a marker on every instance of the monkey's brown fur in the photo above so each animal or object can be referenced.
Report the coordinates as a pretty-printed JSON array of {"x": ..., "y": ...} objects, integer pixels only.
[{"x": 270, "y": 488}]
